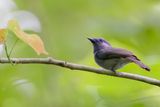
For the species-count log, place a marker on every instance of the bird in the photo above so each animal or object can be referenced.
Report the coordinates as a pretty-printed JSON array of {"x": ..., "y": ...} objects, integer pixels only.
[{"x": 112, "y": 58}]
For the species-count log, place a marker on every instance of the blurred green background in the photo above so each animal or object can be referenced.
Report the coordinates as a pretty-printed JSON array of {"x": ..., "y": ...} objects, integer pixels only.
[{"x": 65, "y": 25}]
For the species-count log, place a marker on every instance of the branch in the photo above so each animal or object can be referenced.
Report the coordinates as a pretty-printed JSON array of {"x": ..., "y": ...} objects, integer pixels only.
[{"x": 73, "y": 66}]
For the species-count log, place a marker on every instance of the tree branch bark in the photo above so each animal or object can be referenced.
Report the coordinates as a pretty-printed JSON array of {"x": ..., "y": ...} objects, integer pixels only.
[{"x": 73, "y": 66}]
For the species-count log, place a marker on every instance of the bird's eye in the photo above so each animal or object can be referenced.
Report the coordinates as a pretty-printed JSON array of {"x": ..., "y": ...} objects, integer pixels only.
[{"x": 100, "y": 40}]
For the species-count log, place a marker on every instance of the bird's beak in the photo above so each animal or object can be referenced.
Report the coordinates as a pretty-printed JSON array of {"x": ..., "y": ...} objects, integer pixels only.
[{"x": 91, "y": 40}]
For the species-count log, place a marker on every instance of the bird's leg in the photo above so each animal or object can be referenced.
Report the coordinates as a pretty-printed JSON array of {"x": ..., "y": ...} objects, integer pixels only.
[{"x": 112, "y": 69}]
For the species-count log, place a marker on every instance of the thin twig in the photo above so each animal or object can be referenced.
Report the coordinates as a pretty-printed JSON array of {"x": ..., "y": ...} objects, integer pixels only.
[{"x": 73, "y": 66}]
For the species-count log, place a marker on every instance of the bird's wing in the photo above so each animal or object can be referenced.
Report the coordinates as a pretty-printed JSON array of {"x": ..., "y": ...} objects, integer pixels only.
[{"x": 110, "y": 53}]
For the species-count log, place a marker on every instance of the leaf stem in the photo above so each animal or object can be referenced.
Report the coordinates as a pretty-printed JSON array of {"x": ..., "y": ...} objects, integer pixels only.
[
  {"x": 13, "y": 47},
  {"x": 6, "y": 50}
]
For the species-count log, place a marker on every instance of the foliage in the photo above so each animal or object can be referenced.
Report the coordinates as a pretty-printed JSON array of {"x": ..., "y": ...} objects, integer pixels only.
[
  {"x": 65, "y": 27},
  {"x": 32, "y": 40}
]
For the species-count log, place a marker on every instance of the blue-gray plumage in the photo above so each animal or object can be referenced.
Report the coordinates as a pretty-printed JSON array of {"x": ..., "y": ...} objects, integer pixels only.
[{"x": 113, "y": 58}]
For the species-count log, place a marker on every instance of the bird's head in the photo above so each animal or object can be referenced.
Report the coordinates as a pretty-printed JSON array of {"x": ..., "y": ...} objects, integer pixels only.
[{"x": 99, "y": 43}]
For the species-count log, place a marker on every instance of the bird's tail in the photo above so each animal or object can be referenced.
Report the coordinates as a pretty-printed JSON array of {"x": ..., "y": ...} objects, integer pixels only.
[{"x": 138, "y": 62}]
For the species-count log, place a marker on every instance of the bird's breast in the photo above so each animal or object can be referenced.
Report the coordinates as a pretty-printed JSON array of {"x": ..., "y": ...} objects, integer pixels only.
[{"x": 110, "y": 64}]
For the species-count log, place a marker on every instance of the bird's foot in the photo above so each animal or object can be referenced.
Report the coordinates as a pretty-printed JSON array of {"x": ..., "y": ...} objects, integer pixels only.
[{"x": 113, "y": 70}]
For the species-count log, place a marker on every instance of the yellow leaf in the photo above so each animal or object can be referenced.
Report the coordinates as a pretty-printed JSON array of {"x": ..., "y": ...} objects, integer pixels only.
[
  {"x": 32, "y": 40},
  {"x": 2, "y": 35}
]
